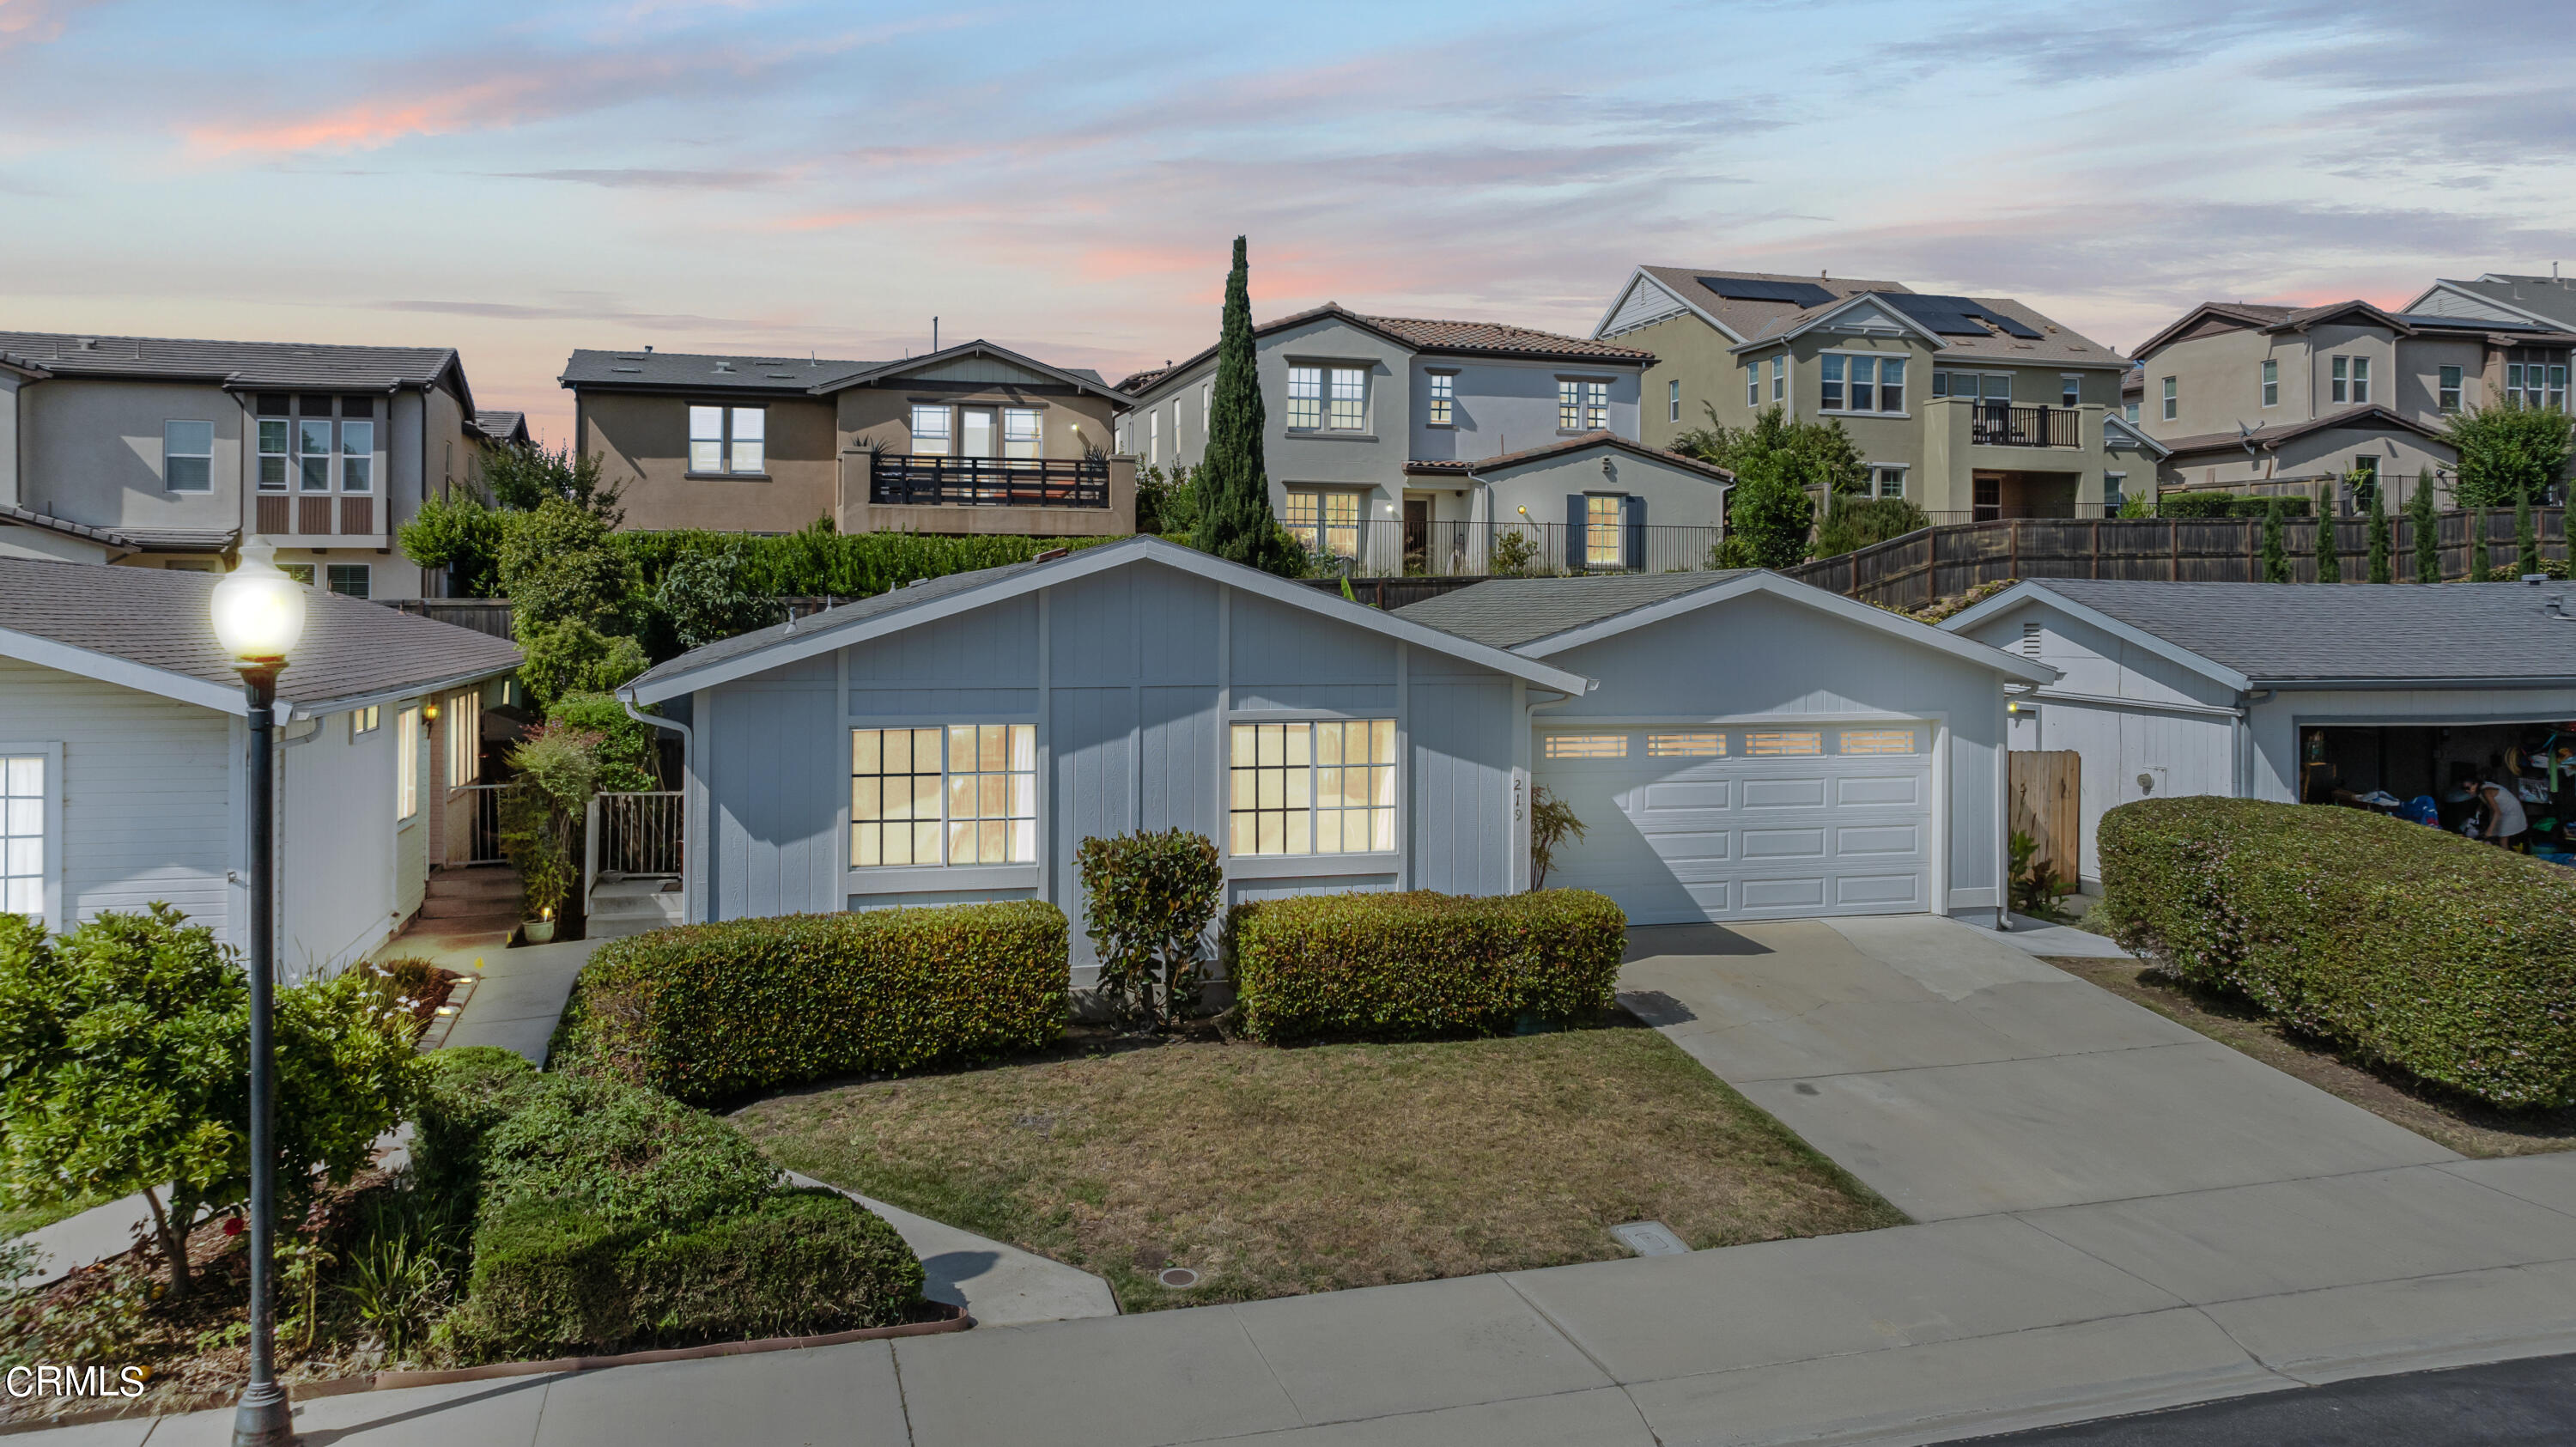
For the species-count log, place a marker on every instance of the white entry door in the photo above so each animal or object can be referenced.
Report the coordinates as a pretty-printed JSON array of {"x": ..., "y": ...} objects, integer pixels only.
[{"x": 1783, "y": 820}]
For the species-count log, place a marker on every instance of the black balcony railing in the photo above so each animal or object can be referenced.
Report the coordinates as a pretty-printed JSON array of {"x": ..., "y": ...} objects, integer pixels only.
[
  {"x": 2000, "y": 424},
  {"x": 907, "y": 479}
]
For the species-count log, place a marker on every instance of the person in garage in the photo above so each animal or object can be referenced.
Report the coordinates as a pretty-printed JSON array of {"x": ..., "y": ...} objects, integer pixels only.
[{"x": 2504, "y": 824}]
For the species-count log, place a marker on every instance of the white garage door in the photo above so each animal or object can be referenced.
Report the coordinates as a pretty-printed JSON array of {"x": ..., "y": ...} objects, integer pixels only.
[{"x": 1765, "y": 821}]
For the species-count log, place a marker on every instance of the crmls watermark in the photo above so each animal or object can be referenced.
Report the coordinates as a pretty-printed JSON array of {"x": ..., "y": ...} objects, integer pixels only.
[{"x": 65, "y": 1382}]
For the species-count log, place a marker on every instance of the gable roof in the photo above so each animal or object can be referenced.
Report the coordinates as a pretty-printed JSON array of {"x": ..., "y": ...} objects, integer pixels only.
[
  {"x": 2270, "y": 317},
  {"x": 932, "y": 599},
  {"x": 2114, "y": 421},
  {"x": 1741, "y": 317},
  {"x": 2261, "y": 635},
  {"x": 1423, "y": 336},
  {"x": 242, "y": 366},
  {"x": 1994, "y": 328},
  {"x": 27, "y": 517},
  {"x": 149, "y": 629},
  {"x": 1563, "y": 446},
  {"x": 1084, "y": 379},
  {"x": 2545, "y": 300},
  {"x": 1541, "y": 617},
  {"x": 506, "y": 428},
  {"x": 709, "y": 373},
  {"x": 2369, "y": 415}
]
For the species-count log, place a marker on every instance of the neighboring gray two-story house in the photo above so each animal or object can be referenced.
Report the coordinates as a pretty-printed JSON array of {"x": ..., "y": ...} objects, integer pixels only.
[
  {"x": 2294, "y": 400},
  {"x": 154, "y": 452},
  {"x": 1407, "y": 444}
]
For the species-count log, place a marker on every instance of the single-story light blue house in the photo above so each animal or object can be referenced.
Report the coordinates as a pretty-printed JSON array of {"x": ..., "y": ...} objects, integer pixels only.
[{"x": 1738, "y": 745}]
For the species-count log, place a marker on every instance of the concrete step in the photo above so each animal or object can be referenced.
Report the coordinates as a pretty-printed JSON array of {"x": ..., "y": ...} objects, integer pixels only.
[
  {"x": 473, "y": 884},
  {"x": 451, "y": 907},
  {"x": 632, "y": 907}
]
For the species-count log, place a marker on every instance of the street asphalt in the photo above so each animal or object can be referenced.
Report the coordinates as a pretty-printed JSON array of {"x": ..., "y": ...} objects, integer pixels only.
[{"x": 2527, "y": 1403}]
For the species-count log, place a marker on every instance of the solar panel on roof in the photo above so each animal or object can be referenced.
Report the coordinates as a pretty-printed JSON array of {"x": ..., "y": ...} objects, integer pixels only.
[
  {"x": 1795, "y": 293},
  {"x": 1953, "y": 316}
]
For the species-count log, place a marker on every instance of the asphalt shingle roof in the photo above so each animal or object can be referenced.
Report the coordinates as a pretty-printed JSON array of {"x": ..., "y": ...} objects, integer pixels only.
[
  {"x": 502, "y": 426},
  {"x": 701, "y": 371},
  {"x": 159, "y": 618},
  {"x": 2368, "y": 414},
  {"x": 1423, "y": 334},
  {"x": 2547, "y": 296},
  {"x": 1756, "y": 320},
  {"x": 2294, "y": 632},
  {"x": 283, "y": 365},
  {"x": 1508, "y": 612}
]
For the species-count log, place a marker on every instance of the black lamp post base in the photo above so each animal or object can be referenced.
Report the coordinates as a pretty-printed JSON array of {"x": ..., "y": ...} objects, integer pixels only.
[{"x": 262, "y": 1417}]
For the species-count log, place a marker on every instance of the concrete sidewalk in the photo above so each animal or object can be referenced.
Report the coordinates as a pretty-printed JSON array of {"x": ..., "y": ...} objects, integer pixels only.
[
  {"x": 2116, "y": 1221},
  {"x": 519, "y": 997}
]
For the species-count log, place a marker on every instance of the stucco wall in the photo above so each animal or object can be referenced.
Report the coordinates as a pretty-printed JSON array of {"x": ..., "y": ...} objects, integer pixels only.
[
  {"x": 646, "y": 438},
  {"x": 1504, "y": 407},
  {"x": 93, "y": 451}
]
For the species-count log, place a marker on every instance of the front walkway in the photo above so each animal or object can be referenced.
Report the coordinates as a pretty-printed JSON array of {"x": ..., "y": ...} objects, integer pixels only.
[{"x": 2114, "y": 1220}]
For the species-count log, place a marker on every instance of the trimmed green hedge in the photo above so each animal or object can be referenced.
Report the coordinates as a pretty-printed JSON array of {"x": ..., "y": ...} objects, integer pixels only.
[
  {"x": 2226, "y": 505},
  {"x": 703, "y": 1012},
  {"x": 2452, "y": 961},
  {"x": 551, "y": 1279},
  {"x": 1417, "y": 965}
]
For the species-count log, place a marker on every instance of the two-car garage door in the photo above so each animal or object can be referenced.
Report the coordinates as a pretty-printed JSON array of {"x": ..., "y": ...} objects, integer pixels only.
[{"x": 1688, "y": 822}]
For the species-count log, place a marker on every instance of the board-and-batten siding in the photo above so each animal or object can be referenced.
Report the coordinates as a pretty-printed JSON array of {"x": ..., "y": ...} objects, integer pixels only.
[
  {"x": 338, "y": 861},
  {"x": 1645, "y": 304},
  {"x": 1129, "y": 675},
  {"x": 146, "y": 792}
]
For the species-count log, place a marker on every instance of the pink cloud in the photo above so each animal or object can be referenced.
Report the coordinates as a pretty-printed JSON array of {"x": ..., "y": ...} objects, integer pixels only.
[
  {"x": 33, "y": 22},
  {"x": 364, "y": 125}
]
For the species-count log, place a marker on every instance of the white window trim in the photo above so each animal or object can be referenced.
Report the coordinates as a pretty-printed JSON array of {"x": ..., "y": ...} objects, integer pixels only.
[
  {"x": 52, "y": 873},
  {"x": 209, "y": 454},
  {"x": 1904, "y": 478},
  {"x": 1324, "y": 399},
  {"x": 2170, "y": 400},
  {"x": 903, "y": 878},
  {"x": 1431, "y": 379},
  {"x": 724, "y": 441},
  {"x": 1673, "y": 399},
  {"x": 1310, "y": 864},
  {"x": 1905, "y": 358},
  {"x": 1582, "y": 403},
  {"x": 411, "y": 751},
  {"x": 2062, "y": 379}
]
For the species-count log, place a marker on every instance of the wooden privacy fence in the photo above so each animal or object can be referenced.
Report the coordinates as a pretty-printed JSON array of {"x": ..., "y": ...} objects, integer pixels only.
[
  {"x": 1946, "y": 560},
  {"x": 2045, "y": 804}
]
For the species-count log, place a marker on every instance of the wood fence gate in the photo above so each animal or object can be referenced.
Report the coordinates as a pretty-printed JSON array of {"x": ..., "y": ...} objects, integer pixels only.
[{"x": 2046, "y": 804}]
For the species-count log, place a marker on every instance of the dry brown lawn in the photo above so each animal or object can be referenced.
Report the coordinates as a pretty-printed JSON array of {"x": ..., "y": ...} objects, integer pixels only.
[
  {"x": 1274, "y": 1172},
  {"x": 2446, "y": 1118}
]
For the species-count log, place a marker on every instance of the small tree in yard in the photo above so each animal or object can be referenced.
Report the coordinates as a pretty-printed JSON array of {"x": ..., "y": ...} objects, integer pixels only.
[
  {"x": 2329, "y": 550},
  {"x": 1232, "y": 481},
  {"x": 2480, "y": 554},
  {"x": 2508, "y": 453},
  {"x": 2383, "y": 550},
  {"x": 541, "y": 812},
  {"x": 524, "y": 479},
  {"x": 124, "y": 1058},
  {"x": 2426, "y": 524},
  {"x": 2276, "y": 547},
  {"x": 1149, "y": 898},
  {"x": 2526, "y": 539},
  {"x": 1552, "y": 822}
]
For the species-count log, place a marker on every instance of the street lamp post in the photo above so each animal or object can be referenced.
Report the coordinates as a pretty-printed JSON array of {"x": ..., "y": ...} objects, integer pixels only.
[{"x": 258, "y": 616}]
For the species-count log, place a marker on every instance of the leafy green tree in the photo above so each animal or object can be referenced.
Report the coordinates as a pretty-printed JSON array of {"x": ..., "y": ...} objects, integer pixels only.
[
  {"x": 2383, "y": 549},
  {"x": 2138, "y": 504},
  {"x": 558, "y": 772},
  {"x": 1149, "y": 898},
  {"x": 1167, "y": 502},
  {"x": 1233, "y": 483},
  {"x": 2426, "y": 524},
  {"x": 2276, "y": 547},
  {"x": 2329, "y": 546},
  {"x": 524, "y": 479},
  {"x": 2526, "y": 538},
  {"x": 556, "y": 563},
  {"x": 1767, "y": 519},
  {"x": 1852, "y": 523},
  {"x": 2481, "y": 555},
  {"x": 1818, "y": 457},
  {"x": 124, "y": 1060},
  {"x": 459, "y": 533},
  {"x": 570, "y": 656},
  {"x": 2508, "y": 453},
  {"x": 701, "y": 598},
  {"x": 630, "y": 760}
]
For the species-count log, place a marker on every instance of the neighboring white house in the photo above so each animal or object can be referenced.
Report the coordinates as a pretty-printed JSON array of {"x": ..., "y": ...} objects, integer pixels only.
[
  {"x": 2281, "y": 691},
  {"x": 124, "y": 749},
  {"x": 1740, "y": 746}
]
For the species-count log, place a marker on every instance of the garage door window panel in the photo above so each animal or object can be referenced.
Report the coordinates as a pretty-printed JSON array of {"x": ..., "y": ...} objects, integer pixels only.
[
  {"x": 1586, "y": 746},
  {"x": 1783, "y": 743}
]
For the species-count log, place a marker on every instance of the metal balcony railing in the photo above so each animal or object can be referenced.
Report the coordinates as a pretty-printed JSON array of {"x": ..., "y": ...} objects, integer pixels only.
[
  {"x": 2001, "y": 424},
  {"x": 913, "y": 480}
]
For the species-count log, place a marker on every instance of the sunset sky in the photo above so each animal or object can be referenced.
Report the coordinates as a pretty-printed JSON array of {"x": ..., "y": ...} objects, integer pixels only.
[{"x": 520, "y": 180}]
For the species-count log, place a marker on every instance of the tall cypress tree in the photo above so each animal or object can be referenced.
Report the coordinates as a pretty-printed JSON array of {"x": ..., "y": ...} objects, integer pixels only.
[
  {"x": 2383, "y": 546},
  {"x": 2329, "y": 549},
  {"x": 2479, "y": 552},
  {"x": 1235, "y": 520},
  {"x": 2276, "y": 546},
  {"x": 2526, "y": 538},
  {"x": 2426, "y": 524}
]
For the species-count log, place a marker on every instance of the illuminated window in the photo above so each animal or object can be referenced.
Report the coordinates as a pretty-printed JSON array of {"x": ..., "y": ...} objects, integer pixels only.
[
  {"x": 1604, "y": 545},
  {"x": 1879, "y": 741},
  {"x": 1325, "y": 522},
  {"x": 407, "y": 757},
  {"x": 1582, "y": 406},
  {"x": 1444, "y": 399},
  {"x": 963, "y": 794},
  {"x": 1710, "y": 745},
  {"x": 1350, "y": 399},
  {"x": 464, "y": 739},
  {"x": 1312, "y": 788},
  {"x": 1020, "y": 436},
  {"x": 1784, "y": 743},
  {"x": 365, "y": 720},
  {"x": 930, "y": 431},
  {"x": 1585, "y": 746}
]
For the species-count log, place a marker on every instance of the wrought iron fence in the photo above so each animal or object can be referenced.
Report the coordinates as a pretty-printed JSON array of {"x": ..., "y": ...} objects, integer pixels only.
[{"x": 1535, "y": 549}]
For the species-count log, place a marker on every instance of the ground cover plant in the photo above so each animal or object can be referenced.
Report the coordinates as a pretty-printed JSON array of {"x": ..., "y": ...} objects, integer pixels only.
[
  {"x": 2405, "y": 946},
  {"x": 1274, "y": 1172}
]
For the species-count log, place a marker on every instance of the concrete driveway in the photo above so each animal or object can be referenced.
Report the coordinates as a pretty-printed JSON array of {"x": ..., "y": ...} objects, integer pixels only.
[{"x": 1959, "y": 1076}]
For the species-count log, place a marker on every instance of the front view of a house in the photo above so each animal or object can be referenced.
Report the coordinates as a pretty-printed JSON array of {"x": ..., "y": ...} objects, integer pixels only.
[{"x": 1737, "y": 745}]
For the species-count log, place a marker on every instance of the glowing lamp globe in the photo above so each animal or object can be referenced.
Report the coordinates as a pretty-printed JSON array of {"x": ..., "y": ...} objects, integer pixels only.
[{"x": 259, "y": 611}]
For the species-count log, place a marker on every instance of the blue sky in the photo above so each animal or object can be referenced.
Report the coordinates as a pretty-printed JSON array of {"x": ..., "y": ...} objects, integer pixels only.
[{"x": 520, "y": 180}]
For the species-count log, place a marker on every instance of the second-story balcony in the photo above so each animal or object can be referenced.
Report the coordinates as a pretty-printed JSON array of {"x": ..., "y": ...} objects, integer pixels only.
[
  {"x": 2004, "y": 424},
  {"x": 899, "y": 479}
]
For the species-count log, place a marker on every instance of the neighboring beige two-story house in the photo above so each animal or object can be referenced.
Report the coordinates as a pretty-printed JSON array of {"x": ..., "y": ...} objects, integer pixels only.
[
  {"x": 2294, "y": 400},
  {"x": 971, "y": 439},
  {"x": 155, "y": 452},
  {"x": 1974, "y": 407},
  {"x": 1406, "y": 444}
]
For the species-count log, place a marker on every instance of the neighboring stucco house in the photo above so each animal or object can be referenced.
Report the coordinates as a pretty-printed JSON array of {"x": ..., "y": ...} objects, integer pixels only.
[
  {"x": 2282, "y": 691},
  {"x": 1406, "y": 444},
  {"x": 2531, "y": 324},
  {"x": 2291, "y": 400},
  {"x": 155, "y": 452},
  {"x": 1974, "y": 407},
  {"x": 124, "y": 757},
  {"x": 974, "y": 438},
  {"x": 958, "y": 739}
]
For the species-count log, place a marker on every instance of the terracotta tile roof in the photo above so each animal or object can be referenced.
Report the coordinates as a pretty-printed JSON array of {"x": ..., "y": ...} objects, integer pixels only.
[{"x": 1446, "y": 466}]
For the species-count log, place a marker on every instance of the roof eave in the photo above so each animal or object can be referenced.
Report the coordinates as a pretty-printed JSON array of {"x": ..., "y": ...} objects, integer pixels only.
[
  {"x": 2156, "y": 643},
  {"x": 1765, "y": 581}
]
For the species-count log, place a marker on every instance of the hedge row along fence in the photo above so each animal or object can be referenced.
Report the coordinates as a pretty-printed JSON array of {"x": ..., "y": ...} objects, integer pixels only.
[
  {"x": 2452, "y": 961},
  {"x": 705, "y": 1012},
  {"x": 1418, "y": 965},
  {"x": 608, "y": 1218},
  {"x": 844, "y": 565}
]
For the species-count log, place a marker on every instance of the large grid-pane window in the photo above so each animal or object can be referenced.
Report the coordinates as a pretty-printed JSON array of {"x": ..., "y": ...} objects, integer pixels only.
[
  {"x": 1306, "y": 397},
  {"x": 22, "y": 834},
  {"x": 1326, "y": 522},
  {"x": 960, "y": 794},
  {"x": 188, "y": 456},
  {"x": 1312, "y": 788},
  {"x": 351, "y": 580},
  {"x": 1020, "y": 435},
  {"x": 1443, "y": 399},
  {"x": 1603, "y": 545},
  {"x": 1350, "y": 399},
  {"x": 1582, "y": 406}
]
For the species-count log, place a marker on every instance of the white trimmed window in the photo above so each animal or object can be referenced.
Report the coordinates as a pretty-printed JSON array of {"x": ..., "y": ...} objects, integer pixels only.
[
  {"x": 464, "y": 739},
  {"x": 2271, "y": 383},
  {"x": 1753, "y": 384},
  {"x": 1441, "y": 408},
  {"x": 408, "y": 755},
  {"x": 1306, "y": 397},
  {"x": 1154, "y": 436},
  {"x": 2171, "y": 400},
  {"x": 1207, "y": 406},
  {"x": 732, "y": 440},
  {"x": 1582, "y": 405},
  {"x": 2535, "y": 385},
  {"x": 188, "y": 456},
  {"x": 955, "y": 794},
  {"x": 357, "y": 444},
  {"x": 2448, "y": 399},
  {"x": 2350, "y": 380},
  {"x": 1886, "y": 480},
  {"x": 366, "y": 720},
  {"x": 2070, "y": 389},
  {"x": 1780, "y": 378},
  {"x": 1021, "y": 435},
  {"x": 1326, "y": 787},
  {"x": 1350, "y": 399},
  {"x": 1325, "y": 522},
  {"x": 25, "y": 830},
  {"x": 1861, "y": 383}
]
